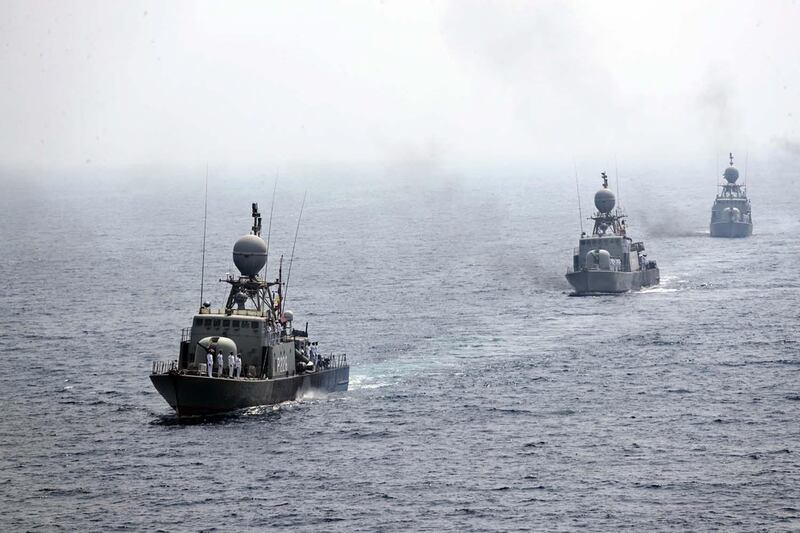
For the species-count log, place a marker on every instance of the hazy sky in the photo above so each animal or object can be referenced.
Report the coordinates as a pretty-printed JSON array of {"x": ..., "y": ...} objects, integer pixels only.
[{"x": 461, "y": 82}]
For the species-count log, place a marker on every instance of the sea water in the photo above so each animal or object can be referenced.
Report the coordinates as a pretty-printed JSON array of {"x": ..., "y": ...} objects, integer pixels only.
[{"x": 481, "y": 396}]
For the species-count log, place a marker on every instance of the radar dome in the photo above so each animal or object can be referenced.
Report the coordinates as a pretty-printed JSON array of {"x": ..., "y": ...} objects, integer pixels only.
[
  {"x": 250, "y": 254},
  {"x": 604, "y": 200},
  {"x": 288, "y": 315},
  {"x": 731, "y": 174}
]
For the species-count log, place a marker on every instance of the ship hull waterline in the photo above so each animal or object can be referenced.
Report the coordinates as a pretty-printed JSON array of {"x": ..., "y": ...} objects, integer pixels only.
[
  {"x": 193, "y": 395},
  {"x": 598, "y": 282},
  {"x": 731, "y": 229}
]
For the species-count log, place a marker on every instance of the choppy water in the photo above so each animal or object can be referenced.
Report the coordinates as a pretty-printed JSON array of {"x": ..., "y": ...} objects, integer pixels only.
[{"x": 482, "y": 397}]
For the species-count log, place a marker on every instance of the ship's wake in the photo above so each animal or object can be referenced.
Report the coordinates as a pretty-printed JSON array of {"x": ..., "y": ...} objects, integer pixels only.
[
  {"x": 312, "y": 394},
  {"x": 658, "y": 290},
  {"x": 363, "y": 381},
  {"x": 668, "y": 284}
]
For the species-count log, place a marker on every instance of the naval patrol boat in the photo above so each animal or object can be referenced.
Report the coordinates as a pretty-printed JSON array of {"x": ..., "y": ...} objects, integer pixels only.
[
  {"x": 278, "y": 363},
  {"x": 730, "y": 215},
  {"x": 608, "y": 261}
]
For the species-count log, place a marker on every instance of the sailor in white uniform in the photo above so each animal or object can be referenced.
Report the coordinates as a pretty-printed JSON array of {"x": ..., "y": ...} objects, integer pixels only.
[
  {"x": 209, "y": 362},
  {"x": 314, "y": 353},
  {"x": 231, "y": 364},
  {"x": 220, "y": 363},
  {"x": 238, "y": 365}
]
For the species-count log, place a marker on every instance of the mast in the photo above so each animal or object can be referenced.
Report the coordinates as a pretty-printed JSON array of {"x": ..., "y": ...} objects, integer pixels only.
[
  {"x": 269, "y": 226},
  {"x": 730, "y": 189},
  {"x": 205, "y": 225},
  {"x": 746, "y": 158},
  {"x": 291, "y": 259},
  {"x": 279, "y": 310},
  {"x": 249, "y": 285},
  {"x": 604, "y": 220},
  {"x": 616, "y": 174},
  {"x": 578, "y": 191}
]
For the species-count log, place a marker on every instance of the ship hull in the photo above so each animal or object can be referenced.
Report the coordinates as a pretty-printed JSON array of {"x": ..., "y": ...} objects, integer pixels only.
[
  {"x": 193, "y": 395},
  {"x": 731, "y": 229},
  {"x": 592, "y": 282}
]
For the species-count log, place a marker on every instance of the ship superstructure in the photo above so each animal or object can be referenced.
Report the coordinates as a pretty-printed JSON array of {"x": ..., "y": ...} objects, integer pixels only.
[
  {"x": 608, "y": 261},
  {"x": 276, "y": 361},
  {"x": 731, "y": 215}
]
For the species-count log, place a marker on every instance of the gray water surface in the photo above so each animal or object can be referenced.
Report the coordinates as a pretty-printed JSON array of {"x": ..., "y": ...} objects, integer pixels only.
[{"x": 482, "y": 397}]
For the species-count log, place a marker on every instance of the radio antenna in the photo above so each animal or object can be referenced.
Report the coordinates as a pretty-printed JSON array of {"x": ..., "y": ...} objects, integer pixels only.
[
  {"x": 578, "y": 191},
  {"x": 269, "y": 226},
  {"x": 291, "y": 258},
  {"x": 205, "y": 225},
  {"x": 616, "y": 174},
  {"x": 746, "y": 157}
]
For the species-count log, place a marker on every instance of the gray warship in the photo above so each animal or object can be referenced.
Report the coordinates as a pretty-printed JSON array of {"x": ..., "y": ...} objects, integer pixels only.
[
  {"x": 608, "y": 261},
  {"x": 730, "y": 215},
  {"x": 278, "y": 362}
]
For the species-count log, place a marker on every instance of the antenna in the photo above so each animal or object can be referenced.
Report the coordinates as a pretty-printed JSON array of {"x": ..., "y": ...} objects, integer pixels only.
[
  {"x": 280, "y": 279},
  {"x": 291, "y": 258},
  {"x": 256, "y": 220},
  {"x": 578, "y": 190},
  {"x": 205, "y": 225},
  {"x": 269, "y": 226},
  {"x": 616, "y": 174},
  {"x": 746, "y": 157}
]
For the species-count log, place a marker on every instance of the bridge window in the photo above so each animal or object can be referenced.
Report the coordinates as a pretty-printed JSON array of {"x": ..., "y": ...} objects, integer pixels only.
[
  {"x": 226, "y": 323},
  {"x": 208, "y": 322},
  {"x": 216, "y": 322},
  {"x": 254, "y": 324},
  {"x": 236, "y": 323},
  {"x": 198, "y": 321}
]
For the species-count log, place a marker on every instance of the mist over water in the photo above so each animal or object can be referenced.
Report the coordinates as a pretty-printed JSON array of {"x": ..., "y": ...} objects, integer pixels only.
[
  {"x": 482, "y": 396},
  {"x": 446, "y": 84}
]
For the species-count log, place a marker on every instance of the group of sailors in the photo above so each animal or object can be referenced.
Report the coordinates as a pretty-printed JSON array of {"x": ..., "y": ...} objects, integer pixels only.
[
  {"x": 215, "y": 361},
  {"x": 313, "y": 354},
  {"x": 316, "y": 357},
  {"x": 234, "y": 363}
]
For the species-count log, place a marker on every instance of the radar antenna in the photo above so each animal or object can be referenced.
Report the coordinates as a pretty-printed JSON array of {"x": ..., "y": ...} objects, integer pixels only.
[
  {"x": 256, "y": 220},
  {"x": 605, "y": 180},
  {"x": 730, "y": 154}
]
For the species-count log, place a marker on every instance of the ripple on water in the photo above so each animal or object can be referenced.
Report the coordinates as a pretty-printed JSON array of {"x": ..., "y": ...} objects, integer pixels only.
[{"x": 481, "y": 396}]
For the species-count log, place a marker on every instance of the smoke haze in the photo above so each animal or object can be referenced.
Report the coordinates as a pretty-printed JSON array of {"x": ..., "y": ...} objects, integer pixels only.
[{"x": 411, "y": 87}]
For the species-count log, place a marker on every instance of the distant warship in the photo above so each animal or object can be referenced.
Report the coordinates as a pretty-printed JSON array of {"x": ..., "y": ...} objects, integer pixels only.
[
  {"x": 278, "y": 363},
  {"x": 608, "y": 261},
  {"x": 730, "y": 215}
]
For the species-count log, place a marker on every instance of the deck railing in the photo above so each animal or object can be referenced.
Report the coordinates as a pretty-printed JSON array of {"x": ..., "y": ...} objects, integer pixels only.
[
  {"x": 334, "y": 361},
  {"x": 164, "y": 367}
]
